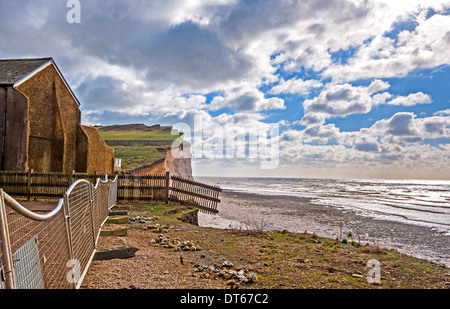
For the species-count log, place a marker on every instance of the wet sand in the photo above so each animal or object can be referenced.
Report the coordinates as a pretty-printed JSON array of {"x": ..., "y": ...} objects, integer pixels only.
[{"x": 298, "y": 214}]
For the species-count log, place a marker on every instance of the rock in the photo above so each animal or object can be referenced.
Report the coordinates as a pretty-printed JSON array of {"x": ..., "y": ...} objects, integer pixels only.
[
  {"x": 231, "y": 282},
  {"x": 242, "y": 278},
  {"x": 252, "y": 278},
  {"x": 227, "y": 264}
]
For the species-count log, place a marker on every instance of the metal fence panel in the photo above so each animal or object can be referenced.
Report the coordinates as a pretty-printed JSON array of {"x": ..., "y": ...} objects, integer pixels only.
[
  {"x": 52, "y": 244},
  {"x": 81, "y": 222},
  {"x": 38, "y": 247},
  {"x": 27, "y": 266}
]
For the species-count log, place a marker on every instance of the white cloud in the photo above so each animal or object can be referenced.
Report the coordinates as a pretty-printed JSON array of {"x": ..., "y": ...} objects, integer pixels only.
[
  {"x": 443, "y": 112},
  {"x": 340, "y": 100},
  {"x": 246, "y": 98},
  {"x": 411, "y": 99},
  {"x": 295, "y": 85},
  {"x": 424, "y": 47}
]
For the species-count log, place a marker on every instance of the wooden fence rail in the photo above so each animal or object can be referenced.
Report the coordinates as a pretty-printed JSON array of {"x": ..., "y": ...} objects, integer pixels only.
[
  {"x": 131, "y": 188},
  {"x": 205, "y": 197}
]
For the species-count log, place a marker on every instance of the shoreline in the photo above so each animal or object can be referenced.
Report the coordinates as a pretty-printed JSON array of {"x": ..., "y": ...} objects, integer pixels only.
[{"x": 299, "y": 214}]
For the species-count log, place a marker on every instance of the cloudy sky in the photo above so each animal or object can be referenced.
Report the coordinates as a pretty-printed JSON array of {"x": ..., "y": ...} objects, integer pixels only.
[{"x": 357, "y": 89}]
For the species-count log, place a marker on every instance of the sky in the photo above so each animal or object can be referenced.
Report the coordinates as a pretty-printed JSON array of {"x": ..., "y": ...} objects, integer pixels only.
[{"x": 307, "y": 89}]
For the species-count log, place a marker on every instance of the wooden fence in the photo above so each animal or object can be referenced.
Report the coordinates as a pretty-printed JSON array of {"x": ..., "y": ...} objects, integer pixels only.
[
  {"x": 131, "y": 188},
  {"x": 203, "y": 196}
]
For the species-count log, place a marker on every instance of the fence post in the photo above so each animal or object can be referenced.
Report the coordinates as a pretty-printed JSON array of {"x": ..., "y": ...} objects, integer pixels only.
[
  {"x": 167, "y": 187},
  {"x": 29, "y": 184},
  {"x": 7, "y": 260},
  {"x": 66, "y": 208},
  {"x": 91, "y": 203},
  {"x": 70, "y": 178}
]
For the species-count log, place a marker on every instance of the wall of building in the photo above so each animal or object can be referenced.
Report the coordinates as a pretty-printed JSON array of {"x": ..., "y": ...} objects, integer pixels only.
[
  {"x": 100, "y": 157},
  {"x": 13, "y": 138},
  {"x": 43, "y": 129},
  {"x": 53, "y": 116}
]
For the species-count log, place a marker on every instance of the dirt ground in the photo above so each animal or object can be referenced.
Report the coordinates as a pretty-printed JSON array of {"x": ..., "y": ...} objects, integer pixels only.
[{"x": 223, "y": 259}]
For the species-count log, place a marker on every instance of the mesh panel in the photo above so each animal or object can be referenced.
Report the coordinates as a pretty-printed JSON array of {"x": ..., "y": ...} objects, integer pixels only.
[
  {"x": 52, "y": 244},
  {"x": 41, "y": 250},
  {"x": 81, "y": 224}
]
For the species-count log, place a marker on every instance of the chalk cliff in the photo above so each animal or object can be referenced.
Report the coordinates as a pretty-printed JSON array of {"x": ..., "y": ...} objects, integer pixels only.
[{"x": 177, "y": 162}]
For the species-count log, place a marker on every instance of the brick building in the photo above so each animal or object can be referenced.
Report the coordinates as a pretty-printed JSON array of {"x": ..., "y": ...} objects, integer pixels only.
[{"x": 40, "y": 122}]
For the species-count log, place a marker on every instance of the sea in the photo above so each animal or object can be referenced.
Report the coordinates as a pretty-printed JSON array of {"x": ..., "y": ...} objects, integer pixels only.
[{"x": 411, "y": 216}]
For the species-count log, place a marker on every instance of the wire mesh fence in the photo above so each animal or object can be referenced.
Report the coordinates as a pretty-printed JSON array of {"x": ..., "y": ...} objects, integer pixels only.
[{"x": 53, "y": 250}]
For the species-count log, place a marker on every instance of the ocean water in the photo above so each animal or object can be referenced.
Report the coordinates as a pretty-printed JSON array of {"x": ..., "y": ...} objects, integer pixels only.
[{"x": 412, "y": 216}]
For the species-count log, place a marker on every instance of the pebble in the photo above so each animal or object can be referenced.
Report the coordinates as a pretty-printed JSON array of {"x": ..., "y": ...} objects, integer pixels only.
[
  {"x": 237, "y": 276},
  {"x": 231, "y": 282},
  {"x": 227, "y": 264},
  {"x": 176, "y": 244}
]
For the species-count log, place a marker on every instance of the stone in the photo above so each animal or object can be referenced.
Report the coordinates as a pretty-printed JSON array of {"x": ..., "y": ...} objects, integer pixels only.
[
  {"x": 231, "y": 282},
  {"x": 252, "y": 278},
  {"x": 227, "y": 264}
]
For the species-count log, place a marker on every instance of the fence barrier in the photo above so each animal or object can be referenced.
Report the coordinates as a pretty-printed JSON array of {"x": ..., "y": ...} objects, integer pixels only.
[
  {"x": 193, "y": 193},
  {"x": 53, "y": 250},
  {"x": 130, "y": 188}
]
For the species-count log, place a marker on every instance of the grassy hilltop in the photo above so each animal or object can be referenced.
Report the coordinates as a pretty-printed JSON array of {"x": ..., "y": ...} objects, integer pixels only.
[{"x": 137, "y": 155}]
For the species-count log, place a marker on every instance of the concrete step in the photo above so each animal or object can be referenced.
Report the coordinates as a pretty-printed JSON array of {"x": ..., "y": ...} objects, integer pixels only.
[
  {"x": 115, "y": 253},
  {"x": 121, "y": 207},
  {"x": 114, "y": 232},
  {"x": 117, "y": 220},
  {"x": 118, "y": 213}
]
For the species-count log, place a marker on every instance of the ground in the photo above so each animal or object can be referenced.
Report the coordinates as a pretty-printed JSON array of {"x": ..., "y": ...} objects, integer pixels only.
[{"x": 225, "y": 258}]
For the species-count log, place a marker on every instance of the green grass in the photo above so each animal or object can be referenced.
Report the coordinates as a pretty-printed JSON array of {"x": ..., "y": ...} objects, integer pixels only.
[
  {"x": 137, "y": 135},
  {"x": 136, "y": 156}
]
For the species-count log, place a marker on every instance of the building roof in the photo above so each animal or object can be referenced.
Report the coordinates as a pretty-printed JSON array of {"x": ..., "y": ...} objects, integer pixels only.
[{"x": 13, "y": 72}]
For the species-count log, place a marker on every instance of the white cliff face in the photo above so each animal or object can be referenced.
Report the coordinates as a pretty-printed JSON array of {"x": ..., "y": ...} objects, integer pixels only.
[{"x": 178, "y": 162}]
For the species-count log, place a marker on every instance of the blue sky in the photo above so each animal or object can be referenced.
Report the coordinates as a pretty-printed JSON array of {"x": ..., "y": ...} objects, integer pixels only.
[{"x": 358, "y": 89}]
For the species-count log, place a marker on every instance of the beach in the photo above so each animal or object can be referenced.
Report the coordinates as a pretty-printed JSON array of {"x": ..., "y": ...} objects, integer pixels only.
[{"x": 426, "y": 237}]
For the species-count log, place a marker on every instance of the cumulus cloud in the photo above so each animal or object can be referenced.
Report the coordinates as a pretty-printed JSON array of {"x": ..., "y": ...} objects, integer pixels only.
[
  {"x": 246, "y": 98},
  {"x": 411, "y": 99},
  {"x": 340, "y": 100},
  {"x": 295, "y": 85},
  {"x": 423, "y": 47},
  {"x": 168, "y": 61}
]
